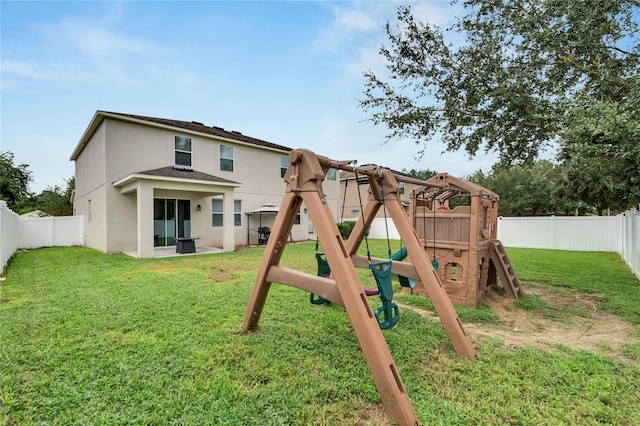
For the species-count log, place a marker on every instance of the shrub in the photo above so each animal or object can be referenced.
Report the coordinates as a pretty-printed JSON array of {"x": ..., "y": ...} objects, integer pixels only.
[{"x": 346, "y": 227}]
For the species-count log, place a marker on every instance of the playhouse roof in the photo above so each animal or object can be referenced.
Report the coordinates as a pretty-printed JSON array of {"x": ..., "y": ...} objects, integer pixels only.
[{"x": 454, "y": 186}]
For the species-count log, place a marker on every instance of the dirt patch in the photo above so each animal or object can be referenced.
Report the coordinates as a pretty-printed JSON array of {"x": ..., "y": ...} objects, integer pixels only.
[{"x": 570, "y": 319}]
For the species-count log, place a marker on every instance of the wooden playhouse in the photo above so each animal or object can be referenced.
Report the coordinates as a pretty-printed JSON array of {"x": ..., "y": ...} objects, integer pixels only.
[{"x": 461, "y": 241}]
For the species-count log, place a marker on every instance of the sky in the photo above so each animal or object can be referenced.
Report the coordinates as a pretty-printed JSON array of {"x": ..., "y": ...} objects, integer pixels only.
[{"x": 287, "y": 72}]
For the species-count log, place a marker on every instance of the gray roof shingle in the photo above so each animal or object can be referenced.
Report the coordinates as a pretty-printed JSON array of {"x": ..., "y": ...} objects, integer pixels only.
[{"x": 201, "y": 128}]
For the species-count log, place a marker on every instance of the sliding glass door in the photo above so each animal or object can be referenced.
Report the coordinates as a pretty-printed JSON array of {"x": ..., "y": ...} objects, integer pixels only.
[{"x": 172, "y": 218}]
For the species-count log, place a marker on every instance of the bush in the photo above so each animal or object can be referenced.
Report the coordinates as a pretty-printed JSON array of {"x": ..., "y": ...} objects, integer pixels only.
[{"x": 346, "y": 227}]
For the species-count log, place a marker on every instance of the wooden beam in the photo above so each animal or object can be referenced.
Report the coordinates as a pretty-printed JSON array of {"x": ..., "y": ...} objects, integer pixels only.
[
  {"x": 323, "y": 287},
  {"x": 406, "y": 269}
]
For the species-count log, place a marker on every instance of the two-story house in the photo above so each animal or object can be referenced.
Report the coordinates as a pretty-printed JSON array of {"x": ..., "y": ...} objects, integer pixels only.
[{"x": 142, "y": 182}]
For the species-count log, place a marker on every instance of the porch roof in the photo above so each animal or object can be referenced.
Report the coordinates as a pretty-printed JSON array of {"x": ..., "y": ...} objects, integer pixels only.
[{"x": 174, "y": 175}]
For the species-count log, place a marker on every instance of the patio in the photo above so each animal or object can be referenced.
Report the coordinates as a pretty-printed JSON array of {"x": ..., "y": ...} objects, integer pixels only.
[{"x": 162, "y": 252}]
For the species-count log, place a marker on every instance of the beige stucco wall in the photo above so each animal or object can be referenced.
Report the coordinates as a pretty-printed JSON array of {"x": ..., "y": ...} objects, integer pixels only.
[
  {"x": 91, "y": 189},
  {"x": 119, "y": 149}
]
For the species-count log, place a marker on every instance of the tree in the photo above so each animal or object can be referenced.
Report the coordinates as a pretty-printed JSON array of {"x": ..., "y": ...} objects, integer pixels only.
[
  {"x": 14, "y": 182},
  {"x": 601, "y": 155},
  {"x": 421, "y": 174},
  {"x": 525, "y": 190},
  {"x": 528, "y": 73},
  {"x": 56, "y": 201}
]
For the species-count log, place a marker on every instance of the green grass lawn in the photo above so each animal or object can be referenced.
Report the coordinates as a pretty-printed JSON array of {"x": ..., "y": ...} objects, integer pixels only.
[{"x": 88, "y": 338}]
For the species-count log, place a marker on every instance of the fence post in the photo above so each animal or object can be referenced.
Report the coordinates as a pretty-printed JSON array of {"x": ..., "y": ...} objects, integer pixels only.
[{"x": 52, "y": 232}]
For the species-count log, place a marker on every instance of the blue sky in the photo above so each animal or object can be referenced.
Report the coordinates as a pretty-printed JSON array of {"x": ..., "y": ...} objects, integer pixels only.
[{"x": 286, "y": 72}]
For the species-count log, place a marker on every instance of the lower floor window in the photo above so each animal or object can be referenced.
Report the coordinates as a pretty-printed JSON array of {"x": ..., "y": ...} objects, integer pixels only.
[
  {"x": 216, "y": 212},
  {"x": 237, "y": 212}
]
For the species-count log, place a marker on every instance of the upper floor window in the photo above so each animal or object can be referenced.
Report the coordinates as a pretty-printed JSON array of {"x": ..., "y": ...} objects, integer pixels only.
[
  {"x": 331, "y": 174},
  {"x": 284, "y": 165},
  {"x": 226, "y": 158},
  {"x": 183, "y": 151},
  {"x": 401, "y": 187}
]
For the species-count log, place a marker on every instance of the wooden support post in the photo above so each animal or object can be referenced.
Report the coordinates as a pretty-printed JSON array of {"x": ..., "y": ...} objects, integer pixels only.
[{"x": 272, "y": 255}]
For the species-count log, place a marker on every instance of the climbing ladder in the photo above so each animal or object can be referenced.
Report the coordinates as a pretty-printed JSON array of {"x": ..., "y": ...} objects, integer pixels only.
[{"x": 504, "y": 268}]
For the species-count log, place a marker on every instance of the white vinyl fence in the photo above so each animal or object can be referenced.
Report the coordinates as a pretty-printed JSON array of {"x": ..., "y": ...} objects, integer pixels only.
[
  {"x": 51, "y": 231},
  {"x": 9, "y": 234},
  {"x": 581, "y": 233},
  {"x": 27, "y": 233},
  {"x": 630, "y": 239}
]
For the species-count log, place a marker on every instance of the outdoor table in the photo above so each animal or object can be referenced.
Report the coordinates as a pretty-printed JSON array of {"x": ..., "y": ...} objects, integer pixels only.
[{"x": 186, "y": 245}]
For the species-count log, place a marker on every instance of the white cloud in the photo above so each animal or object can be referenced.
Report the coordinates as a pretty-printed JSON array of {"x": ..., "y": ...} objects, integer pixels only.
[
  {"x": 350, "y": 21},
  {"x": 354, "y": 20},
  {"x": 100, "y": 41},
  {"x": 439, "y": 13},
  {"x": 81, "y": 52},
  {"x": 32, "y": 69},
  {"x": 357, "y": 30},
  {"x": 366, "y": 58},
  {"x": 43, "y": 70}
]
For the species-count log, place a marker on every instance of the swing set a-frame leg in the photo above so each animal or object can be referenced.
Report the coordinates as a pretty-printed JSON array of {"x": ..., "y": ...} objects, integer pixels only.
[{"x": 272, "y": 255}]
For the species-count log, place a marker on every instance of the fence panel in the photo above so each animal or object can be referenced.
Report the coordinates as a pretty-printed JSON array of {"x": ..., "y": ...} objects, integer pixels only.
[
  {"x": 529, "y": 232},
  {"x": 630, "y": 239},
  {"x": 68, "y": 231},
  {"x": 51, "y": 231},
  {"x": 36, "y": 232},
  {"x": 583, "y": 233},
  {"x": 9, "y": 234}
]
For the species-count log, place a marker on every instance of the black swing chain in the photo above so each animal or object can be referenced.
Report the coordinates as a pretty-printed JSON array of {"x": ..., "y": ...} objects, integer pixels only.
[
  {"x": 384, "y": 210},
  {"x": 433, "y": 206},
  {"x": 364, "y": 224}
]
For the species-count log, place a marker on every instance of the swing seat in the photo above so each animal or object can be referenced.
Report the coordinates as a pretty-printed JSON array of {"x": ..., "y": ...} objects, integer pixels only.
[
  {"x": 325, "y": 272},
  {"x": 406, "y": 282},
  {"x": 388, "y": 314}
]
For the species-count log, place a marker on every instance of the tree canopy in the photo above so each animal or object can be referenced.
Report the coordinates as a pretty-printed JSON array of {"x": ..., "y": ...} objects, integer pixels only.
[
  {"x": 14, "y": 182},
  {"x": 14, "y": 189},
  {"x": 517, "y": 76},
  {"x": 56, "y": 200}
]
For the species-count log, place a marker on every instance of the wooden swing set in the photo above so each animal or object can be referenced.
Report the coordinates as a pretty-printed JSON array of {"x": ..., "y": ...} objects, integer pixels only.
[{"x": 304, "y": 179}]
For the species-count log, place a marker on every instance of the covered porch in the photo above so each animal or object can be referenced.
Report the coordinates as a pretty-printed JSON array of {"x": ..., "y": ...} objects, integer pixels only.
[{"x": 172, "y": 205}]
